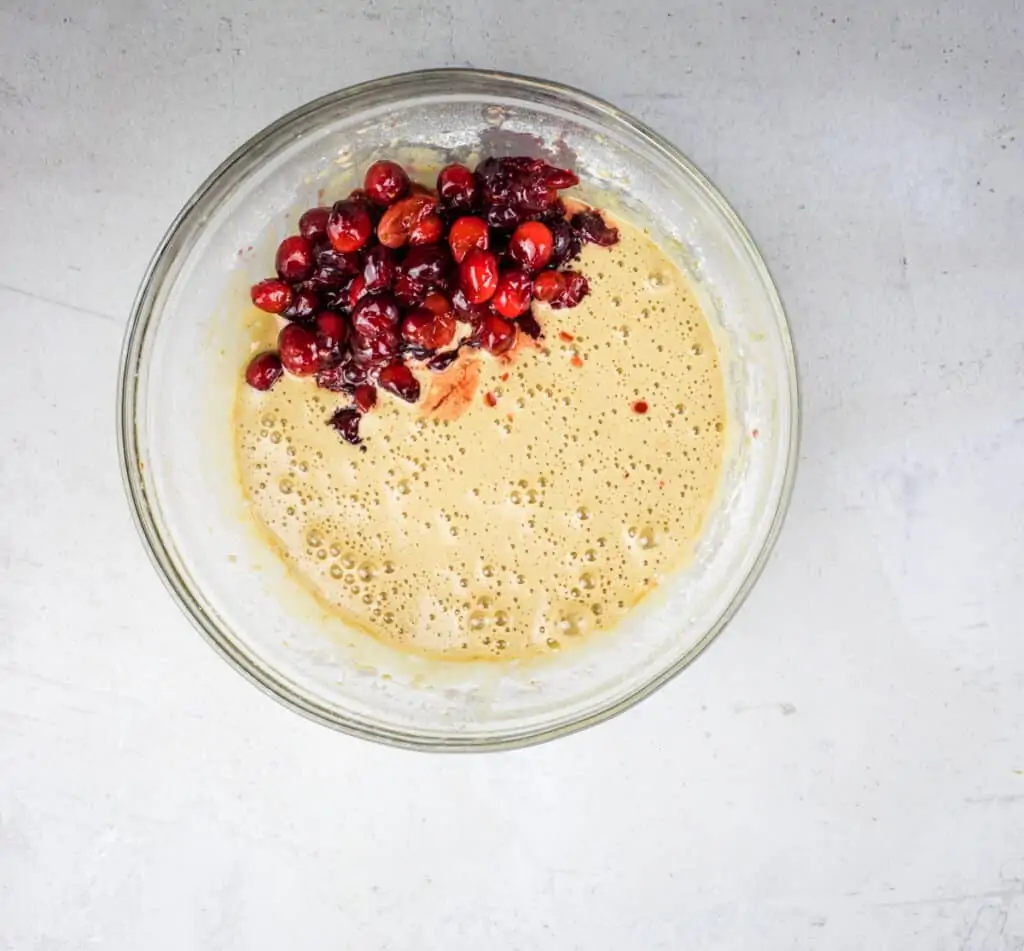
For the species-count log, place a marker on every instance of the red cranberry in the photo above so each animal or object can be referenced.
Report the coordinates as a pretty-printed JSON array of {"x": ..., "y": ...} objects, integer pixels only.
[
  {"x": 294, "y": 259},
  {"x": 495, "y": 334},
  {"x": 375, "y": 313},
  {"x": 376, "y": 349},
  {"x": 299, "y": 352},
  {"x": 378, "y": 268},
  {"x": 548, "y": 285},
  {"x": 576, "y": 288},
  {"x": 313, "y": 224},
  {"x": 591, "y": 226},
  {"x": 331, "y": 336},
  {"x": 385, "y": 182},
  {"x": 345, "y": 423},
  {"x": 429, "y": 231},
  {"x": 470, "y": 313},
  {"x": 304, "y": 304},
  {"x": 394, "y": 227},
  {"x": 263, "y": 371},
  {"x": 271, "y": 295},
  {"x": 439, "y": 305},
  {"x": 565, "y": 242},
  {"x": 478, "y": 275},
  {"x": 531, "y": 245},
  {"x": 465, "y": 234},
  {"x": 408, "y": 293},
  {"x": 427, "y": 265},
  {"x": 397, "y": 378},
  {"x": 348, "y": 262},
  {"x": 333, "y": 378},
  {"x": 349, "y": 226},
  {"x": 365, "y": 398},
  {"x": 512, "y": 296},
  {"x": 560, "y": 177},
  {"x": 328, "y": 279},
  {"x": 422, "y": 328},
  {"x": 356, "y": 290},
  {"x": 457, "y": 188}
]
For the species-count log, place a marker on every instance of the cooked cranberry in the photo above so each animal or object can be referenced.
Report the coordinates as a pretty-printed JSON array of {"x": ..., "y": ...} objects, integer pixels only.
[
  {"x": 333, "y": 378},
  {"x": 512, "y": 295},
  {"x": 313, "y": 224},
  {"x": 531, "y": 245},
  {"x": 422, "y": 328},
  {"x": 442, "y": 361},
  {"x": 356, "y": 290},
  {"x": 457, "y": 188},
  {"x": 495, "y": 334},
  {"x": 408, "y": 293},
  {"x": 529, "y": 326},
  {"x": 298, "y": 349},
  {"x": 565, "y": 242},
  {"x": 427, "y": 265},
  {"x": 349, "y": 226},
  {"x": 478, "y": 275},
  {"x": 365, "y": 398},
  {"x": 374, "y": 350},
  {"x": 465, "y": 234},
  {"x": 470, "y": 313},
  {"x": 304, "y": 304},
  {"x": 348, "y": 262},
  {"x": 428, "y": 231},
  {"x": 331, "y": 336},
  {"x": 263, "y": 371},
  {"x": 590, "y": 226},
  {"x": 576, "y": 288},
  {"x": 439, "y": 305},
  {"x": 379, "y": 268},
  {"x": 548, "y": 285},
  {"x": 375, "y": 313},
  {"x": 328, "y": 279},
  {"x": 345, "y": 423},
  {"x": 398, "y": 379},
  {"x": 294, "y": 260},
  {"x": 560, "y": 177},
  {"x": 385, "y": 182},
  {"x": 271, "y": 295},
  {"x": 518, "y": 188},
  {"x": 394, "y": 227}
]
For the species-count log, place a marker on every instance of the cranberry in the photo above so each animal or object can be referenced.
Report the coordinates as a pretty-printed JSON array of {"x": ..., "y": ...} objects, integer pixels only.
[
  {"x": 576, "y": 288},
  {"x": 590, "y": 226},
  {"x": 409, "y": 293},
  {"x": 397, "y": 378},
  {"x": 365, "y": 397},
  {"x": 328, "y": 278},
  {"x": 349, "y": 226},
  {"x": 439, "y": 305},
  {"x": 271, "y": 295},
  {"x": 465, "y": 234},
  {"x": 346, "y": 423},
  {"x": 428, "y": 231},
  {"x": 519, "y": 188},
  {"x": 394, "y": 227},
  {"x": 422, "y": 328},
  {"x": 299, "y": 352},
  {"x": 313, "y": 224},
  {"x": 331, "y": 336},
  {"x": 385, "y": 182},
  {"x": 512, "y": 296},
  {"x": 565, "y": 242},
  {"x": 334, "y": 378},
  {"x": 294, "y": 260},
  {"x": 560, "y": 177},
  {"x": 478, "y": 275},
  {"x": 263, "y": 371},
  {"x": 348, "y": 262},
  {"x": 470, "y": 313},
  {"x": 457, "y": 188},
  {"x": 548, "y": 285},
  {"x": 441, "y": 362},
  {"x": 531, "y": 245},
  {"x": 427, "y": 265},
  {"x": 378, "y": 268},
  {"x": 356, "y": 290},
  {"x": 304, "y": 304},
  {"x": 495, "y": 334},
  {"x": 529, "y": 326},
  {"x": 375, "y": 313}
]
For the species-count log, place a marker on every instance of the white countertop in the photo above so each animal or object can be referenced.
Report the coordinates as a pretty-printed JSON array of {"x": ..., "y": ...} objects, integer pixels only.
[{"x": 844, "y": 769}]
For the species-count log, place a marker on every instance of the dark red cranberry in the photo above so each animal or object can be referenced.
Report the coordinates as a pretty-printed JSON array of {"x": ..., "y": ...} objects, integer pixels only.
[
  {"x": 299, "y": 352},
  {"x": 548, "y": 285},
  {"x": 345, "y": 422},
  {"x": 576, "y": 288},
  {"x": 394, "y": 227},
  {"x": 428, "y": 231},
  {"x": 398, "y": 379},
  {"x": 422, "y": 328},
  {"x": 349, "y": 226},
  {"x": 516, "y": 189},
  {"x": 457, "y": 188},
  {"x": 470, "y": 313},
  {"x": 385, "y": 182},
  {"x": 439, "y": 305},
  {"x": 531, "y": 245},
  {"x": 271, "y": 295},
  {"x": 465, "y": 234},
  {"x": 591, "y": 226},
  {"x": 408, "y": 293},
  {"x": 313, "y": 224},
  {"x": 529, "y": 326},
  {"x": 294, "y": 260},
  {"x": 328, "y": 279},
  {"x": 565, "y": 242},
  {"x": 427, "y": 265},
  {"x": 495, "y": 334},
  {"x": 374, "y": 314},
  {"x": 331, "y": 336},
  {"x": 378, "y": 268},
  {"x": 513, "y": 293},
  {"x": 365, "y": 397},
  {"x": 441, "y": 361},
  {"x": 478, "y": 275},
  {"x": 356, "y": 290},
  {"x": 263, "y": 371},
  {"x": 333, "y": 378},
  {"x": 348, "y": 262},
  {"x": 376, "y": 350},
  {"x": 304, "y": 304},
  {"x": 560, "y": 177}
]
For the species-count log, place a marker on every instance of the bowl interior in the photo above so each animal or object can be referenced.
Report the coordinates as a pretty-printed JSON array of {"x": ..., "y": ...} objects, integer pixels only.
[{"x": 186, "y": 346}]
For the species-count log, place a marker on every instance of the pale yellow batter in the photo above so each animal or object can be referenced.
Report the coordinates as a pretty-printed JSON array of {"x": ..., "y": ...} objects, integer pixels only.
[{"x": 515, "y": 528}]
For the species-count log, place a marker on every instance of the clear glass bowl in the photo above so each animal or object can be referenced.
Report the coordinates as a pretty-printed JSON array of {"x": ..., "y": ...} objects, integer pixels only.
[{"x": 183, "y": 352}]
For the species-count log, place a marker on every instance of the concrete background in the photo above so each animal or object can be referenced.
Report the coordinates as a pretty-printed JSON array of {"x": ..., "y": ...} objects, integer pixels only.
[{"x": 844, "y": 769}]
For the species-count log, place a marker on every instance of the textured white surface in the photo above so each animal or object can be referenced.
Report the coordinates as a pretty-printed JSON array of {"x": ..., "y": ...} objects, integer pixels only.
[{"x": 844, "y": 769}]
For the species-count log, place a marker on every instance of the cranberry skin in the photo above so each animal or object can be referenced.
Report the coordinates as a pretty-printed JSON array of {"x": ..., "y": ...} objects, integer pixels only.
[
  {"x": 531, "y": 245},
  {"x": 375, "y": 314},
  {"x": 349, "y": 226},
  {"x": 294, "y": 260},
  {"x": 576, "y": 288},
  {"x": 271, "y": 295},
  {"x": 299, "y": 352},
  {"x": 429, "y": 231},
  {"x": 313, "y": 224},
  {"x": 305, "y": 303},
  {"x": 345, "y": 422},
  {"x": 427, "y": 265},
  {"x": 513, "y": 294},
  {"x": 565, "y": 242},
  {"x": 408, "y": 293},
  {"x": 365, "y": 397},
  {"x": 439, "y": 305},
  {"x": 385, "y": 182},
  {"x": 348, "y": 262},
  {"x": 548, "y": 285},
  {"x": 495, "y": 334},
  {"x": 590, "y": 226},
  {"x": 457, "y": 188},
  {"x": 400, "y": 219},
  {"x": 263, "y": 371},
  {"x": 478, "y": 276},
  {"x": 378, "y": 269},
  {"x": 398, "y": 379},
  {"x": 465, "y": 234},
  {"x": 422, "y": 328},
  {"x": 356, "y": 290}
]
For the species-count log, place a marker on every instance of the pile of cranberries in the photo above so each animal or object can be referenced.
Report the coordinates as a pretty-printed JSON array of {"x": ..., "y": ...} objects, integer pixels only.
[{"x": 397, "y": 274}]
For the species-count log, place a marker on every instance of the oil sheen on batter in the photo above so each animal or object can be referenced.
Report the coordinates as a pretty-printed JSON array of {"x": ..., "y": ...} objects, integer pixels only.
[{"x": 477, "y": 531}]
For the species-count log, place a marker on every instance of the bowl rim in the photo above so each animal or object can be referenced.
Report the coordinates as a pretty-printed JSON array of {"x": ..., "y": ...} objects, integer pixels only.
[{"x": 269, "y": 680}]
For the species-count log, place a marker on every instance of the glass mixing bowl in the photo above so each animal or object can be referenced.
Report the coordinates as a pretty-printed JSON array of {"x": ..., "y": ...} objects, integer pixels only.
[{"x": 183, "y": 353}]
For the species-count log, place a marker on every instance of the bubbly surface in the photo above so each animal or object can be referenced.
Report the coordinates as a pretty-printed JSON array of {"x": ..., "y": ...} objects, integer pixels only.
[{"x": 526, "y": 501}]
